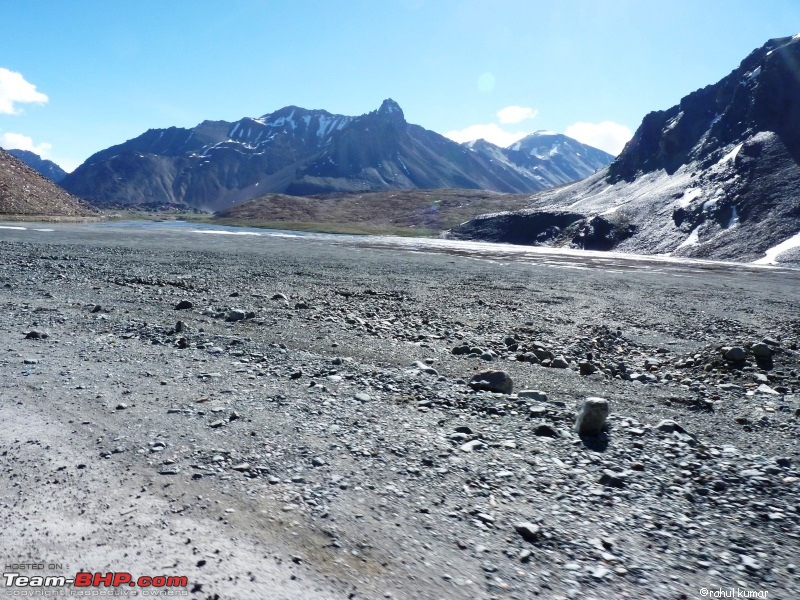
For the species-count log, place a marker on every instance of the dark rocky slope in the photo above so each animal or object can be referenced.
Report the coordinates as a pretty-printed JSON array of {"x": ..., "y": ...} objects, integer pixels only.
[
  {"x": 41, "y": 165},
  {"x": 715, "y": 176}
]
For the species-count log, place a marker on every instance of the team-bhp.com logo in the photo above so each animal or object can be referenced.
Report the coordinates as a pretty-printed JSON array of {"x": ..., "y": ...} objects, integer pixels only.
[{"x": 88, "y": 580}]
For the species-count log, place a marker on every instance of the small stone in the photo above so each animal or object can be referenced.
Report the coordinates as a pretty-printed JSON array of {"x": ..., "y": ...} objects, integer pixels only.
[
  {"x": 492, "y": 381},
  {"x": 591, "y": 418},
  {"x": 241, "y": 467},
  {"x": 586, "y": 368},
  {"x": 559, "y": 362},
  {"x": 765, "y": 389},
  {"x": 216, "y": 424},
  {"x": 301, "y": 306},
  {"x": 472, "y": 446},
  {"x": 669, "y": 426},
  {"x": 278, "y": 296},
  {"x": 362, "y": 397},
  {"x": 36, "y": 335},
  {"x": 183, "y": 305},
  {"x": 537, "y": 395},
  {"x": 735, "y": 354},
  {"x": 600, "y": 572},
  {"x": 235, "y": 315},
  {"x": 611, "y": 479},
  {"x": 761, "y": 350},
  {"x": 546, "y": 430},
  {"x": 122, "y": 406},
  {"x": 180, "y": 327},
  {"x": 530, "y": 532}
]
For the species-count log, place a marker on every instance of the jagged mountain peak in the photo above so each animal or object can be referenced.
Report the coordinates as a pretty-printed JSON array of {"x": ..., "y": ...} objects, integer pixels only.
[{"x": 390, "y": 108}]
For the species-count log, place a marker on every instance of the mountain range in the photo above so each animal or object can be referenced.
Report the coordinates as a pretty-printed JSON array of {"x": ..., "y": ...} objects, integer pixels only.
[
  {"x": 302, "y": 152},
  {"x": 715, "y": 176}
]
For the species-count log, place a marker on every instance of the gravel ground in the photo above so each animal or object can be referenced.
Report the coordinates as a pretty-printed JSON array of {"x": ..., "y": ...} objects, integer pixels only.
[{"x": 308, "y": 426}]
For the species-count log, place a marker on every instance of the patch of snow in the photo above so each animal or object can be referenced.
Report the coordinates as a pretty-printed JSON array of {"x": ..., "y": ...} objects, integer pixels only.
[
  {"x": 772, "y": 254},
  {"x": 689, "y": 196},
  {"x": 221, "y": 232},
  {"x": 10, "y": 227},
  {"x": 734, "y": 220},
  {"x": 234, "y": 130},
  {"x": 544, "y": 132},
  {"x": 692, "y": 240},
  {"x": 673, "y": 122},
  {"x": 515, "y": 147},
  {"x": 730, "y": 156},
  {"x": 752, "y": 74}
]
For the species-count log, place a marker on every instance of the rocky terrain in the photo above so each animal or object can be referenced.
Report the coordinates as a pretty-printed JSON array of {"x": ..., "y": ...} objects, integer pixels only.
[
  {"x": 715, "y": 176},
  {"x": 24, "y": 192},
  {"x": 302, "y": 152},
  {"x": 305, "y": 418},
  {"x": 41, "y": 165}
]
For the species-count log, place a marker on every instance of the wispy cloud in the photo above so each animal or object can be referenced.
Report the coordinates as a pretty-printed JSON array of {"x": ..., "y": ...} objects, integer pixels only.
[
  {"x": 516, "y": 114},
  {"x": 14, "y": 89},
  {"x": 493, "y": 132},
  {"x": 23, "y": 142},
  {"x": 490, "y": 132},
  {"x": 607, "y": 135}
]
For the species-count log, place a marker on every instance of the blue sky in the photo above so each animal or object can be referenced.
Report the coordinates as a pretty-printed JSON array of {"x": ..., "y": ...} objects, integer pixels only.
[{"x": 78, "y": 76}]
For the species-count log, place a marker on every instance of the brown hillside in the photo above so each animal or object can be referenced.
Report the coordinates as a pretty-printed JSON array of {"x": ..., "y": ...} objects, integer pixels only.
[
  {"x": 414, "y": 209},
  {"x": 24, "y": 192}
]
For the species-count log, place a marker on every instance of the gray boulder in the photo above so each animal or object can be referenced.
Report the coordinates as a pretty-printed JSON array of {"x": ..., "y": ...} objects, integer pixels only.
[
  {"x": 592, "y": 416},
  {"x": 492, "y": 381}
]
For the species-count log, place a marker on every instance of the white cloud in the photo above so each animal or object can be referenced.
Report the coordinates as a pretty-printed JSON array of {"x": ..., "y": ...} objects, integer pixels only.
[
  {"x": 607, "y": 135},
  {"x": 23, "y": 142},
  {"x": 516, "y": 114},
  {"x": 491, "y": 133},
  {"x": 15, "y": 90}
]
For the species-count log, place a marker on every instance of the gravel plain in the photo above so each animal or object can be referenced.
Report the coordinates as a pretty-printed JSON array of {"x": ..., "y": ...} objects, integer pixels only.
[{"x": 304, "y": 425}]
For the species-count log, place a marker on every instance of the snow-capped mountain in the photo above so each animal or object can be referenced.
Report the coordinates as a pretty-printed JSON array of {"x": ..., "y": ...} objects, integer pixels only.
[
  {"x": 549, "y": 158},
  {"x": 41, "y": 165},
  {"x": 303, "y": 152},
  {"x": 716, "y": 176}
]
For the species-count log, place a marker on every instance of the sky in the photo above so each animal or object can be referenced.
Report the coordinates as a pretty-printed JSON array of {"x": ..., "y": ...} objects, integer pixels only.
[{"x": 77, "y": 77}]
